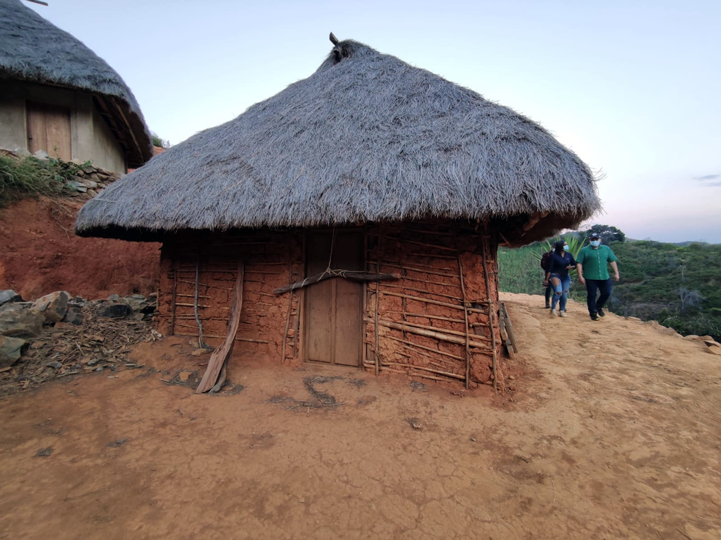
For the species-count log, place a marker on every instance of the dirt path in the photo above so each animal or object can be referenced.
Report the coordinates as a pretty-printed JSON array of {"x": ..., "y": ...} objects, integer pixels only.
[{"x": 613, "y": 431}]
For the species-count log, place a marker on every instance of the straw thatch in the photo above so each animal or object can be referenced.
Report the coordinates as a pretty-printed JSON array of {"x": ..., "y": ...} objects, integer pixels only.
[
  {"x": 33, "y": 49},
  {"x": 366, "y": 138}
]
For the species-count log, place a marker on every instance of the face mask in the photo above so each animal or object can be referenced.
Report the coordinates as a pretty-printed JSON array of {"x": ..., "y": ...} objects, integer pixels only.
[
  {"x": 595, "y": 243},
  {"x": 565, "y": 248}
]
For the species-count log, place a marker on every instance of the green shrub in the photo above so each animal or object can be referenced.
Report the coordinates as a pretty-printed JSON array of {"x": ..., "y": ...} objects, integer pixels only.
[{"x": 31, "y": 177}]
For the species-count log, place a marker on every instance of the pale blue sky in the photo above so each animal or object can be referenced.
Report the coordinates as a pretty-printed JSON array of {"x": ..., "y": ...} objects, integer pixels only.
[{"x": 632, "y": 87}]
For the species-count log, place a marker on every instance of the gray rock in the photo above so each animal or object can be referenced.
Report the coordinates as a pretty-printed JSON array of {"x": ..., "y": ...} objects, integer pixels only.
[
  {"x": 114, "y": 298},
  {"x": 54, "y": 365},
  {"x": 11, "y": 349},
  {"x": 9, "y": 296},
  {"x": 54, "y": 306},
  {"x": 115, "y": 311},
  {"x": 89, "y": 169},
  {"x": 89, "y": 184},
  {"x": 74, "y": 315},
  {"x": 77, "y": 186},
  {"x": 41, "y": 154},
  {"x": 19, "y": 320}
]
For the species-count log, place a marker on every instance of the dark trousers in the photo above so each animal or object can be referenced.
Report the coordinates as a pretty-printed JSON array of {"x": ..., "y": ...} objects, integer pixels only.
[
  {"x": 549, "y": 293},
  {"x": 592, "y": 287}
]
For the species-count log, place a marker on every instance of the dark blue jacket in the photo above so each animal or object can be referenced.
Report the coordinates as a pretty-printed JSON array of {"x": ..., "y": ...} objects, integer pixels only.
[{"x": 559, "y": 263}]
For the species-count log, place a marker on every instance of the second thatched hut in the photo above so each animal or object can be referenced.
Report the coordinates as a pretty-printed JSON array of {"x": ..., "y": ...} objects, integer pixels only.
[{"x": 369, "y": 166}]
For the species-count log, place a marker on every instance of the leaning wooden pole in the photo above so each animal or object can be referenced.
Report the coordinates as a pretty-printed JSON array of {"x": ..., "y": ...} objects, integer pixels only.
[
  {"x": 491, "y": 313},
  {"x": 221, "y": 354},
  {"x": 465, "y": 313},
  {"x": 378, "y": 299}
]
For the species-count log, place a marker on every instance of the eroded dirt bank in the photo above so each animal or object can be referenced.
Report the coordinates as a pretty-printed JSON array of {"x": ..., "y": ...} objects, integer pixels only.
[
  {"x": 40, "y": 254},
  {"x": 613, "y": 431}
]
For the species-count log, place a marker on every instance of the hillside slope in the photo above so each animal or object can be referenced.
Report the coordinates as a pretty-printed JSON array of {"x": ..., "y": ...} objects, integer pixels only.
[{"x": 40, "y": 254}]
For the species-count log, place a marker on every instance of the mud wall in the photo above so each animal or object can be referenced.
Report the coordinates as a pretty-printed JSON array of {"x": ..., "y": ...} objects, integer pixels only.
[
  {"x": 433, "y": 322},
  {"x": 270, "y": 260}
]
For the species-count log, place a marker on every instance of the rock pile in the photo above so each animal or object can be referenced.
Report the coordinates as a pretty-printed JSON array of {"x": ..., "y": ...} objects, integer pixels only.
[
  {"x": 90, "y": 180},
  {"x": 58, "y": 335}
]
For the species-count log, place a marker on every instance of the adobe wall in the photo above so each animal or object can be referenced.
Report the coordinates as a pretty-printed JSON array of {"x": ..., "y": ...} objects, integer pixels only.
[
  {"x": 432, "y": 323},
  {"x": 271, "y": 260},
  {"x": 91, "y": 138}
]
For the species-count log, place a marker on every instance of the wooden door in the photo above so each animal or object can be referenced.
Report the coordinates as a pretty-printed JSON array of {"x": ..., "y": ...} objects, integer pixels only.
[
  {"x": 334, "y": 307},
  {"x": 49, "y": 130}
]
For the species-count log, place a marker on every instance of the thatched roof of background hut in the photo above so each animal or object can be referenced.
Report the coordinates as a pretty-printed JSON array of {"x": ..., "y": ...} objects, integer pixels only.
[
  {"x": 33, "y": 49},
  {"x": 366, "y": 138}
]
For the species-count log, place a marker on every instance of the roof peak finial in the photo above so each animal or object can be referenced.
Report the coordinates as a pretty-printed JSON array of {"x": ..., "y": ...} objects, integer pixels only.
[{"x": 334, "y": 40}]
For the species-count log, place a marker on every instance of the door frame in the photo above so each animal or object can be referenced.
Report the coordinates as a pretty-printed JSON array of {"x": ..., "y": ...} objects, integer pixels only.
[{"x": 304, "y": 303}]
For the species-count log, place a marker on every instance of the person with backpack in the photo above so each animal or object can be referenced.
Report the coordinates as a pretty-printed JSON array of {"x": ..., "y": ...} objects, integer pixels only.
[
  {"x": 545, "y": 261},
  {"x": 558, "y": 276},
  {"x": 593, "y": 261}
]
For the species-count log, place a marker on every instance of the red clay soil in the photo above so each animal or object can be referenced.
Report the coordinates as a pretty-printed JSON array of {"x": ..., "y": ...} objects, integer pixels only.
[
  {"x": 612, "y": 431},
  {"x": 40, "y": 254}
]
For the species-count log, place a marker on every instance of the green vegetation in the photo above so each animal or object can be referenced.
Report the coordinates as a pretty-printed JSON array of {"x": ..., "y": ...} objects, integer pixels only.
[
  {"x": 30, "y": 177},
  {"x": 678, "y": 286},
  {"x": 158, "y": 141}
]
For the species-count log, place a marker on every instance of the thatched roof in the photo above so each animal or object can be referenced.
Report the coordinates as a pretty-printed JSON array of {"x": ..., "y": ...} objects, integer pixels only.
[
  {"x": 366, "y": 138},
  {"x": 33, "y": 49}
]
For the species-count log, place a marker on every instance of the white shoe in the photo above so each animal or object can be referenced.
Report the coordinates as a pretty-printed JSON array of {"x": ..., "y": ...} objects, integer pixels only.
[
  {"x": 563, "y": 314},
  {"x": 554, "y": 313}
]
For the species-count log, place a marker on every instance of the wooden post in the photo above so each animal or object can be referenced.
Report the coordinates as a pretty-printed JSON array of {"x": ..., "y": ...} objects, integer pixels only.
[
  {"x": 173, "y": 300},
  {"x": 491, "y": 312},
  {"x": 465, "y": 313},
  {"x": 290, "y": 308},
  {"x": 378, "y": 300}
]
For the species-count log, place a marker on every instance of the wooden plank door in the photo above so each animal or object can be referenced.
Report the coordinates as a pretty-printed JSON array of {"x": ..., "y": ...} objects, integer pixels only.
[
  {"x": 334, "y": 307},
  {"x": 49, "y": 130}
]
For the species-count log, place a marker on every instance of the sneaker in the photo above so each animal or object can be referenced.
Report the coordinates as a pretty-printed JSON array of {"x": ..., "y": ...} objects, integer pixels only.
[
  {"x": 563, "y": 314},
  {"x": 594, "y": 317},
  {"x": 601, "y": 313},
  {"x": 554, "y": 313}
]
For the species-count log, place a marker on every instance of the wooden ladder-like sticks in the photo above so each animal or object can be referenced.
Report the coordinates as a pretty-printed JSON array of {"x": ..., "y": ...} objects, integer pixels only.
[
  {"x": 491, "y": 313},
  {"x": 465, "y": 314},
  {"x": 220, "y": 355}
]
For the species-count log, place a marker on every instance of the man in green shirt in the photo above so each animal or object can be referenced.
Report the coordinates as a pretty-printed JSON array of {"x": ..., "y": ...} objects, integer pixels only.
[{"x": 593, "y": 272}]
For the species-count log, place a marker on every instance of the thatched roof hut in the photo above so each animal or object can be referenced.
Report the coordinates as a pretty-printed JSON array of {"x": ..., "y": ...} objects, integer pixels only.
[
  {"x": 366, "y": 138},
  {"x": 358, "y": 213},
  {"x": 34, "y": 50}
]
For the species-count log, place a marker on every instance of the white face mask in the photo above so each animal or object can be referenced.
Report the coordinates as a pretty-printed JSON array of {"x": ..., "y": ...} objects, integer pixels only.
[
  {"x": 565, "y": 248},
  {"x": 595, "y": 243}
]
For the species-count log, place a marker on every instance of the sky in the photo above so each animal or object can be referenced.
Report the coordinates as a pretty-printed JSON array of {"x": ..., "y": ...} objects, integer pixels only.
[{"x": 633, "y": 87}]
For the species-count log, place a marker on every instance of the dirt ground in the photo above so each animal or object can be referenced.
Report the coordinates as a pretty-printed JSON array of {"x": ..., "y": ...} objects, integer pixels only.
[
  {"x": 612, "y": 431},
  {"x": 40, "y": 254}
]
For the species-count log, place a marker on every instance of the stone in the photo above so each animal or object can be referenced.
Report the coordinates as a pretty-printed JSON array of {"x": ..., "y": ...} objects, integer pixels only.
[
  {"x": 76, "y": 161},
  {"x": 11, "y": 349},
  {"x": 9, "y": 296},
  {"x": 89, "y": 169},
  {"x": 200, "y": 352},
  {"x": 19, "y": 320},
  {"x": 41, "y": 154},
  {"x": 54, "y": 306},
  {"x": 54, "y": 365},
  {"x": 74, "y": 316},
  {"x": 89, "y": 184},
  {"x": 92, "y": 192},
  {"x": 183, "y": 376},
  {"x": 114, "y": 298},
  {"x": 115, "y": 311},
  {"x": 76, "y": 186}
]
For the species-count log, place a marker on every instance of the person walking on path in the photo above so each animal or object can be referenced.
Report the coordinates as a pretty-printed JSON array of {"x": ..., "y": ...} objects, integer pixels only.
[
  {"x": 592, "y": 268},
  {"x": 558, "y": 277},
  {"x": 545, "y": 261}
]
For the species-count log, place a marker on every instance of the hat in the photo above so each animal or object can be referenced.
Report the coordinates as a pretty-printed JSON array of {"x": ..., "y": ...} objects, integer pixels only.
[{"x": 595, "y": 235}]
